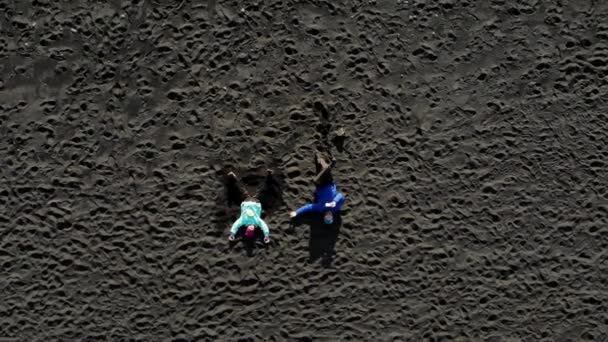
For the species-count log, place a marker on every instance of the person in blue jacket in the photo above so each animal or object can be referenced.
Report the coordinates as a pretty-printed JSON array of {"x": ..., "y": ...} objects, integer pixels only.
[
  {"x": 251, "y": 210},
  {"x": 327, "y": 198}
]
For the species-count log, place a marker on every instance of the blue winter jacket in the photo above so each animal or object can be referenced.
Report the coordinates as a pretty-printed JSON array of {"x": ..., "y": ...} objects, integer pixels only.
[{"x": 324, "y": 194}]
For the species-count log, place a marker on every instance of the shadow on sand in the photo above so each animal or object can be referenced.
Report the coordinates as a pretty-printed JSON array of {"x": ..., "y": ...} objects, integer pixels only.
[{"x": 322, "y": 237}]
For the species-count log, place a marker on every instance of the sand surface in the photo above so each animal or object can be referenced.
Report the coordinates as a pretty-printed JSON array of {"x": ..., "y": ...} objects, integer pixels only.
[{"x": 474, "y": 168}]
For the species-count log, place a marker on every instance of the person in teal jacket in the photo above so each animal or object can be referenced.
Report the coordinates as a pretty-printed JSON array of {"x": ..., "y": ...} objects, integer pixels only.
[{"x": 251, "y": 210}]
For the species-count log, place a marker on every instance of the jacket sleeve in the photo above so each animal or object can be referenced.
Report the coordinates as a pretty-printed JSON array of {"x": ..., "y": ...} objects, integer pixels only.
[
  {"x": 264, "y": 227},
  {"x": 339, "y": 199},
  {"x": 235, "y": 226},
  {"x": 310, "y": 207}
]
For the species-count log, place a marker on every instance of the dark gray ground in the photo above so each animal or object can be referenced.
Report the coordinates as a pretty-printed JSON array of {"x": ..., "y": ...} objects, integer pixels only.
[{"x": 474, "y": 169}]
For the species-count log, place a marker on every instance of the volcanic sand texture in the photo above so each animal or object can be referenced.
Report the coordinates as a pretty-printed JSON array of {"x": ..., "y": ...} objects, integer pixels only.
[{"x": 474, "y": 169}]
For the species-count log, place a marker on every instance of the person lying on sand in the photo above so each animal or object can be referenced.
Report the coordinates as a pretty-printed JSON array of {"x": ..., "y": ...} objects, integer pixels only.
[
  {"x": 327, "y": 198},
  {"x": 251, "y": 211}
]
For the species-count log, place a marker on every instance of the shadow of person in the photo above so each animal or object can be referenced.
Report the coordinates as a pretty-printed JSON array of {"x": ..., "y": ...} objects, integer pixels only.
[
  {"x": 322, "y": 237},
  {"x": 338, "y": 141}
]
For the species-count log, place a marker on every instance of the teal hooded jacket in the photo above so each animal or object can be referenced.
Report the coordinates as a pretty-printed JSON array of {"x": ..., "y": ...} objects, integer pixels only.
[{"x": 250, "y": 214}]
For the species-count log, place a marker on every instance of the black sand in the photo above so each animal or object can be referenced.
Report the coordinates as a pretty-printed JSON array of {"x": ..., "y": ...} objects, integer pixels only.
[{"x": 473, "y": 165}]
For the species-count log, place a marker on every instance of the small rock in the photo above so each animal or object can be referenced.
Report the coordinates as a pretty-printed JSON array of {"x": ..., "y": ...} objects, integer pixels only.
[{"x": 243, "y": 57}]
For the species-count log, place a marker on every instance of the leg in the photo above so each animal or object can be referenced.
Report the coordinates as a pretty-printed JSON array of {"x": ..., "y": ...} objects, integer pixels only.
[
  {"x": 236, "y": 190},
  {"x": 268, "y": 191},
  {"x": 321, "y": 161},
  {"x": 323, "y": 165}
]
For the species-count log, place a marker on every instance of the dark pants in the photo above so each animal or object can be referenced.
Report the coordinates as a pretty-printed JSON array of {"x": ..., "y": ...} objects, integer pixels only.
[{"x": 263, "y": 195}]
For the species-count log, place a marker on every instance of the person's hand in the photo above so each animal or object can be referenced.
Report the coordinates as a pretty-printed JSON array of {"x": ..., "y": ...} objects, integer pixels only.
[
  {"x": 231, "y": 237},
  {"x": 331, "y": 204},
  {"x": 266, "y": 239},
  {"x": 292, "y": 214}
]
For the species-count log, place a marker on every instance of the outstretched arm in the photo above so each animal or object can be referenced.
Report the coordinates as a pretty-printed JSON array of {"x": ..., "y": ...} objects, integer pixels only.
[
  {"x": 235, "y": 226},
  {"x": 310, "y": 208},
  {"x": 264, "y": 227},
  {"x": 339, "y": 199}
]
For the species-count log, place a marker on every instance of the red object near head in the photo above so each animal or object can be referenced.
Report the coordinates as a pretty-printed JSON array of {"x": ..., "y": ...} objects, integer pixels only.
[{"x": 250, "y": 231}]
